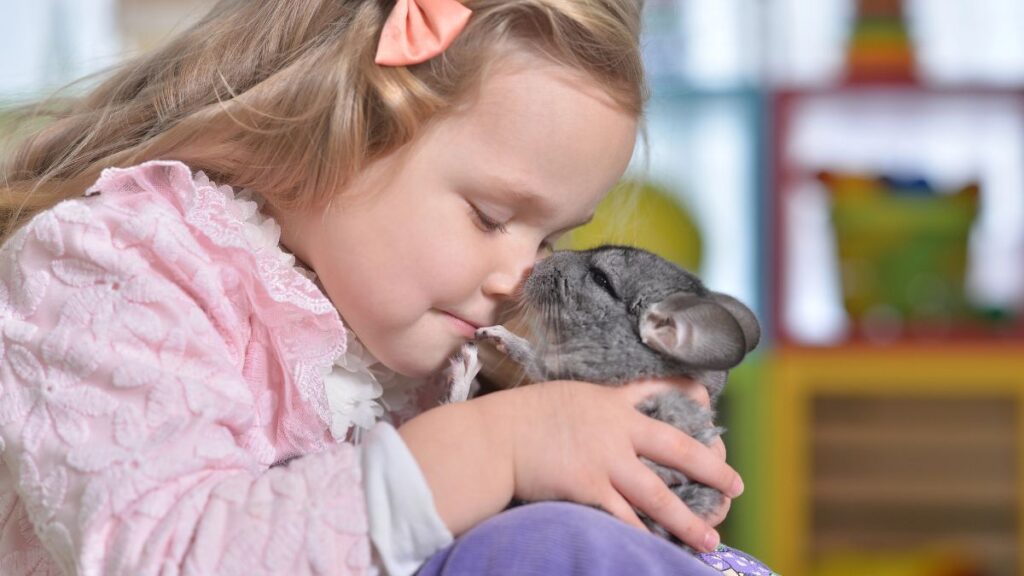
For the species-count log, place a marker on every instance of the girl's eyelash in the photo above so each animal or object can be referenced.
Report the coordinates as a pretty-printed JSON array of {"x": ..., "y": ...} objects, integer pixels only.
[
  {"x": 491, "y": 225},
  {"x": 487, "y": 223}
]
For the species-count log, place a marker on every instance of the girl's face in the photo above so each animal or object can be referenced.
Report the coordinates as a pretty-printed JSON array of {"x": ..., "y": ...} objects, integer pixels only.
[{"x": 433, "y": 238}]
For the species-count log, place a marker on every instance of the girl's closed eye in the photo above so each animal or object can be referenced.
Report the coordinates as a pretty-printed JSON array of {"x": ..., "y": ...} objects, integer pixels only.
[
  {"x": 487, "y": 223},
  {"x": 491, "y": 224}
]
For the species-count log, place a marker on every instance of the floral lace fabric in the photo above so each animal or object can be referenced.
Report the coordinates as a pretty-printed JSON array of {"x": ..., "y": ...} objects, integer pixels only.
[
  {"x": 357, "y": 388},
  {"x": 732, "y": 562},
  {"x": 158, "y": 353}
]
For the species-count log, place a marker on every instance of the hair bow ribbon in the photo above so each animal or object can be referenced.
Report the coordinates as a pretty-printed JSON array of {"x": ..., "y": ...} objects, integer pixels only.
[{"x": 418, "y": 30}]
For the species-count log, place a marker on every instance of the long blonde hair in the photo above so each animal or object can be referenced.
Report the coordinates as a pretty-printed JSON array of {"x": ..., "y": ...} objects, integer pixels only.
[{"x": 284, "y": 97}]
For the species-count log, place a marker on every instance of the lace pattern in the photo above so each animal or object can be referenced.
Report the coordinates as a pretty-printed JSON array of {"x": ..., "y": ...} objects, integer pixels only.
[
  {"x": 141, "y": 405},
  {"x": 233, "y": 221}
]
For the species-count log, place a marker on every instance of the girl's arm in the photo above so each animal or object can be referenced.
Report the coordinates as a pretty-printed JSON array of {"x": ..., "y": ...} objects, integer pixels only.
[
  {"x": 466, "y": 463},
  {"x": 125, "y": 423},
  {"x": 562, "y": 441}
]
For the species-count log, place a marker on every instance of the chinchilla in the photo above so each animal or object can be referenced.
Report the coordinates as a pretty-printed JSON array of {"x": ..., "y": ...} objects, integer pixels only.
[{"x": 615, "y": 314}]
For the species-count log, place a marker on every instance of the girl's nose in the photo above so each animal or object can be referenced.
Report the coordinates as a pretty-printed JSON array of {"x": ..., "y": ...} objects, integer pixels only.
[{"x": 503, "y": 281}]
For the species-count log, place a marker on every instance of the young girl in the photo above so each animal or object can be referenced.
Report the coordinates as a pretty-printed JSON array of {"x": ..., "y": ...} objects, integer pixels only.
[{"x": 232, "y": 269}]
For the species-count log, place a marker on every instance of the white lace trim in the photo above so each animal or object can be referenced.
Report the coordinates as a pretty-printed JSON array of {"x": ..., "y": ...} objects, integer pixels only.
[
  {"x": 353, "y": 392},
  {"x": 261, "y": 231},
  {"x": 359, "y": 390},
  {"x": 355, "y": 383}
]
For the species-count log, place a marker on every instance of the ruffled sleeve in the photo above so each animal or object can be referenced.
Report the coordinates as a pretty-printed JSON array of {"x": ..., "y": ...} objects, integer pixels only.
[{"x": 135, "y": 418}]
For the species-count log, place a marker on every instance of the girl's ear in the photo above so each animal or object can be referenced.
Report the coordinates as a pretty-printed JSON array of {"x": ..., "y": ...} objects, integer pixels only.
[{"x": 712, "y": 334}]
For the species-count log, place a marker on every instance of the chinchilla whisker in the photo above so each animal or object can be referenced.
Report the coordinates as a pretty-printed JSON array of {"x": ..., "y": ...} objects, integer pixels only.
[
  {"x": 550, "y": 328},
  {"x": 516, "y": 306},
  {"x": 521, "y": 380},
  {"x": 554, "y": 322}
]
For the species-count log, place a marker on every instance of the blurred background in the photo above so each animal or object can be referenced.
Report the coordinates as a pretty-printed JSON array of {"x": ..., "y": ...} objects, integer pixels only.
[{"x": 854, "y": 170}]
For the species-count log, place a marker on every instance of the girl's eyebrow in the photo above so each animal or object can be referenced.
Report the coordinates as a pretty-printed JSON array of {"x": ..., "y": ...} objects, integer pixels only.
[
  {"x": 521, "y": 193},
  {"x": 524, "y": 194}
]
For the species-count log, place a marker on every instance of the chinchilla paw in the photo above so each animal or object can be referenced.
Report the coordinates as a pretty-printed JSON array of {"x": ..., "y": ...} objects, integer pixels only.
[
  {"x": 496, "y": 335},
  {"x": 463, "y": 367}
]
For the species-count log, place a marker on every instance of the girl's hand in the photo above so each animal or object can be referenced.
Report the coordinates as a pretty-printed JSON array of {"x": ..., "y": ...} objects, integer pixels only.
[
  {"x": 699, "y": 394},
  {"x": 580, "y": 442}
]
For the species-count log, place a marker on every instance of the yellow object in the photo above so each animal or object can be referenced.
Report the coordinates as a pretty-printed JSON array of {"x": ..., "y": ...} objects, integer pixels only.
[
  {"x": 907, "y": 563},
  {"x": 643, "y": 215},
  {"x": 801, "y": 378}
]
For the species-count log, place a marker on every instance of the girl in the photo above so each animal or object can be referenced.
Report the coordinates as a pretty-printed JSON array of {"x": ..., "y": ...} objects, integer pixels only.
[{"x": 186, "y": 385}]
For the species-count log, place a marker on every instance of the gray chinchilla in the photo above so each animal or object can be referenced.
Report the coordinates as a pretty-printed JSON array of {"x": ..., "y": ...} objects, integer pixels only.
[{"x": 614, "y": 314}]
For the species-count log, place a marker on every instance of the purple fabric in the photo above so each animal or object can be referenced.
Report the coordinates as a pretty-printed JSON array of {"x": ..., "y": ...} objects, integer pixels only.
[{"x": 561, "y": 539}]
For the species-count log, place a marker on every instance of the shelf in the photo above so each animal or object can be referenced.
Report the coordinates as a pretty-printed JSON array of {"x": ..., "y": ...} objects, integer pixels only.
[
  {"x": 990, "y": 496},
  {"x": 952, "y": 136},
  {"x": 896, "y": 449},
  {"x": 996, "y": 552}
]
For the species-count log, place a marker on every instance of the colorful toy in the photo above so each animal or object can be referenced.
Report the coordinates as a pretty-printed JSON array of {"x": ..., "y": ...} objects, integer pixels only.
[
  {"x": 902, "y": 250},
  {"x": 880, "y": 49}
]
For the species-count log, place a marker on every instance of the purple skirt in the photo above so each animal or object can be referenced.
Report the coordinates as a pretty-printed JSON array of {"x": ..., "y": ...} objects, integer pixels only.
[{"x": 561, "y": 539}]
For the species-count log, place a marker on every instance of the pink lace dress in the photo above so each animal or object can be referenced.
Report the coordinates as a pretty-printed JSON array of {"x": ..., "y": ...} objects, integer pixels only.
[{"x": 159, "y": 354}]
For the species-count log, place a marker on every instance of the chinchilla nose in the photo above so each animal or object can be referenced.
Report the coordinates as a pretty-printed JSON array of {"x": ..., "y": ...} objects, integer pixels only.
[{"x": 546, "y": 284}]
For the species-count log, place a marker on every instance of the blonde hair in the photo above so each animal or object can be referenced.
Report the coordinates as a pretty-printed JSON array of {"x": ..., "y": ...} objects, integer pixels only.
[{"x": 284, "y": 98}]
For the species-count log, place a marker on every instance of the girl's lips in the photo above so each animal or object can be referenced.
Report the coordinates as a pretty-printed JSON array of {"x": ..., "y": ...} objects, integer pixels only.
[{"x": 465, "y": 328}]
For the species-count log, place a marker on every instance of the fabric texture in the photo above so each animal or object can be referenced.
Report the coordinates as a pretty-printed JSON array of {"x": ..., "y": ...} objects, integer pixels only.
[
  {"x": 404, "y": 525},
  {"x": 559, "y": 538},
  {"x": 732, "y": 562},
  {"x": 158, "y": 355}
]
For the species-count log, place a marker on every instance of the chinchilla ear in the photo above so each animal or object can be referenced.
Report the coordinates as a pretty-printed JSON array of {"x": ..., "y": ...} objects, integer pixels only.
[
  {"x": 746, "y": 319},
  {"x": 703, "y": 332}
]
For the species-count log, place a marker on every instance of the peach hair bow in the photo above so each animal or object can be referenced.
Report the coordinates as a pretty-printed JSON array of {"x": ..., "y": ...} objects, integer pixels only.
[{"x": 418, "y": 30}]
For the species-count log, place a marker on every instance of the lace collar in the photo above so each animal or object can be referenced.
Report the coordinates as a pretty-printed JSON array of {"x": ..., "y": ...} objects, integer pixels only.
[{"x": 358, "y": 388}]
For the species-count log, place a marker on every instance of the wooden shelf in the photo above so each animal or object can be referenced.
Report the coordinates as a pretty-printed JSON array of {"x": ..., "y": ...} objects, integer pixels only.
[
  {"x": 997, "y": 553},
  {"x": 994, "y": 494},
  {"x": 878, "y": 450}
]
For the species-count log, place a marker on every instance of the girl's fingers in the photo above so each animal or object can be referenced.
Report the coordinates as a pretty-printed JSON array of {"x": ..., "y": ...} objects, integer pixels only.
[
  {"x": 694, "y": 389},
  {"x": 718, "y": 516},
  {"x": 614, "y": 504},
  {"x": 643, "y": 489},
  {"x": 670, "y": 447},
  {"x": 718, "y": 447}
]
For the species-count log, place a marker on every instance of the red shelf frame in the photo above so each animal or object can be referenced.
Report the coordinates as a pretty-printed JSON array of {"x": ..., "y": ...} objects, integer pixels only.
[{"x": 784, "y": 176}]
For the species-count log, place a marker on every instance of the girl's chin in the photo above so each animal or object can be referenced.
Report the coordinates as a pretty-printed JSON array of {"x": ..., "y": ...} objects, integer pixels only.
[
  {"x": 422, "y": 351},
  {"x": 424, "y": 365}
]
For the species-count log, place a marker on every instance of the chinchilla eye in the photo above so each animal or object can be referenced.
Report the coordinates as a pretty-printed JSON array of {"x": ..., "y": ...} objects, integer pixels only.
[{"x": 601, "y": 279}]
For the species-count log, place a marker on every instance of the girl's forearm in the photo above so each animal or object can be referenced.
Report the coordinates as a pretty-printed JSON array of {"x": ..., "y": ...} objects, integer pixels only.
[{"x": 465, "y": 460}]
